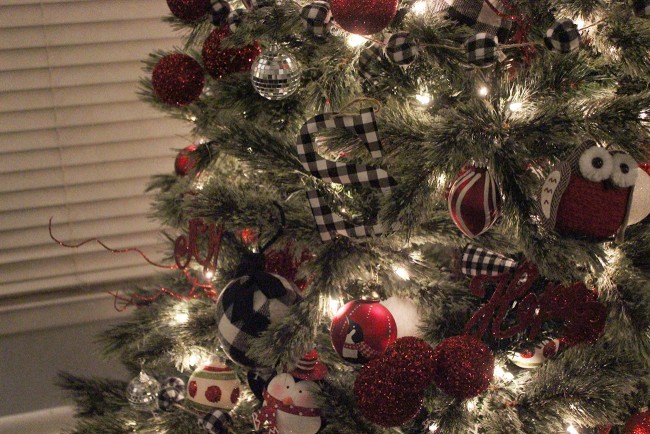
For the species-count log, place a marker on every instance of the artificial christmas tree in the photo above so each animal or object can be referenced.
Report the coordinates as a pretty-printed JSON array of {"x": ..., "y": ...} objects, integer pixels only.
[{"x": 353, "y": 183}]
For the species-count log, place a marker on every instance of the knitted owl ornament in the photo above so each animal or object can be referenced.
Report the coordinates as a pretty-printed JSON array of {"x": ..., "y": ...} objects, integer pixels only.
[{"x": 588, "y": 194}]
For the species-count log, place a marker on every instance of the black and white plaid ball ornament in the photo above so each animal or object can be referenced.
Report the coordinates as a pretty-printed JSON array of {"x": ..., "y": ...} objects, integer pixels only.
[
  {"x": 401, "y": 48},
  {"x": 317, "y": 18},
  {"x": 477, "y": 14},
  {"x": 256, "y": 4},
  {"x": 563, "y": 36},
  {"x": 235, "y": 18},
  {"x": 168, "y": 396},
  {"x": 642, "y": 8},
  {"x": 370, "y": 60},
  {"x": 216, "y": 422},
  {"x": 175, "y": 382},
  {"x": 482, "y": 49},
  {"x": 220, "y": 11},
  {"x": 275, "y": 74},
  {"x": 247, "y": 306}
]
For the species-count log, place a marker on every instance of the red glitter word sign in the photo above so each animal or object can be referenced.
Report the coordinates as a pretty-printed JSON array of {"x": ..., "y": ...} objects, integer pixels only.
[
  {"x": 576, "y": 305},
  {"x": 187, "y": 247}
]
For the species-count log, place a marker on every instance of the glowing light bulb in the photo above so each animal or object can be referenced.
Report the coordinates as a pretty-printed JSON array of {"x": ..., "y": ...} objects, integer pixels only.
[
  {"x": 355, "y": 40},
  {"x": 499, "y": 372},
  {"x": 572, "y": 430},
  {"x": 433, "y": 427},
  {"x": 209, "y": 274},
  {"x": 193, "y": 359},
  {"x": 402, "y": 273},
  {"x": 423, "y": 98},
  {"x": 419, "y": 7},
  {"x": 516, "y": 106},
  {"x": 334, "y": 305},
  {"x": 181, "y": 318},
  {"x": 579, "y": 22},
  {"x": 483, "y": 91},
  {"x": 471, "y": 405}
]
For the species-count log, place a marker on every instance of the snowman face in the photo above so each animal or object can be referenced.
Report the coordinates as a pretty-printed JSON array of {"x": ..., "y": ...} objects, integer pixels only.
[{"x": 281, "y": 387}]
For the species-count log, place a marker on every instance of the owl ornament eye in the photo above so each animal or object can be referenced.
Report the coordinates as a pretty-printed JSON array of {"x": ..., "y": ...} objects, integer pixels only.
[{"x": 589, "y": 195}]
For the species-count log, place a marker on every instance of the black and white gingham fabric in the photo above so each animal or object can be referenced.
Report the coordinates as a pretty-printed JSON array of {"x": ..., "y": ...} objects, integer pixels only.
[
  {"x": 168, "y": 396},
  {"x": 246, "y": 307},
  {"x": 477, "y": 14},
  {"x": 642, "y": 8},
  {"x": 369, "y": 65},
  {"x": 317, "y": 18},
  {"x": 482, "y": 49},
  {"x": 477, "y": 261},
  {"x": 256, "y": 4},
  {"x": 220, "y": 11},
  {"x": 215, "y": 422},
  {"x": 235, "y": 18},
  {"x": 363, "y": 125},
  {"x": 175, "y": 382},
  {"x": 401, "y": 48},
  {"x": 563, "y": 37}
]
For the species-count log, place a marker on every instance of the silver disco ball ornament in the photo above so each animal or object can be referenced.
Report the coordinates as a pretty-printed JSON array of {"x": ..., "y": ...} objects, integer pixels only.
[
  {"x": 142, "y": 393},
  {"x": 275, "y": 74}
]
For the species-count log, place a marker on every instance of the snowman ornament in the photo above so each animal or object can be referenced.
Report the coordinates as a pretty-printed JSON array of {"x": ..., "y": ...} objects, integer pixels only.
[{"x": 290, "y": 400}]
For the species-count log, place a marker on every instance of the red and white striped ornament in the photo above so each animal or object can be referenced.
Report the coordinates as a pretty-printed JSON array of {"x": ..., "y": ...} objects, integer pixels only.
[{"x": 474, "y": 201}]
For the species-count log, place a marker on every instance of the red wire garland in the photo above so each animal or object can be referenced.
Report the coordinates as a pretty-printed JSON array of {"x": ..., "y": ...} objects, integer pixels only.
[{"x": 524, "y": 23}]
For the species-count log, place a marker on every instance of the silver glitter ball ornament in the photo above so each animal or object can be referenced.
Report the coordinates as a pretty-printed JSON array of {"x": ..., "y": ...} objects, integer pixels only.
[
  {"x": 275, "y": 74},
  {"x": 142, "y": 392}
]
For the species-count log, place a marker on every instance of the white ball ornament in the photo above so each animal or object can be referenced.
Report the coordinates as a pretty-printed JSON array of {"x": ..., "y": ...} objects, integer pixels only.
[
  {"x": 213, "y": 385},
  {"x": 640, "y": 202},
  {"x": 535, "y": 358},
  {"x": 406, "y": 315}
]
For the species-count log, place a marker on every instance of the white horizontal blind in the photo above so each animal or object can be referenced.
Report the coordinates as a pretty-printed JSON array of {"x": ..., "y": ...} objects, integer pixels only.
[{"x": 75, "y": 141}]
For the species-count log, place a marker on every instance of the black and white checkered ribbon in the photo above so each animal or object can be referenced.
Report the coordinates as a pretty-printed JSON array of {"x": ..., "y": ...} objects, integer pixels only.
[
  {"x": 365, "y": 127},
  {"x": 369, "y": 62},
  {"x": 235, "y": 18},
  {"x": 215, "y": 422},
  {"x": 642, "y": 8},
  {"x": 168, "y": 396},
  {"x": 477, "y": 261},
  {"x": 317, "y": 18},
  {"x": 401, "y": 48},
  {"x": 476, "y": 14},
  {"x": 563, "y": 36},
  {"x": 482, "y": 49},
  {"x": 220, "y": 11}
]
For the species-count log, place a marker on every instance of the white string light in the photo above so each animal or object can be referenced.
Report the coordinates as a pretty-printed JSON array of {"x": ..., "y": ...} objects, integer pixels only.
[
  {"x": 572, "y": 430},
  {"x": 433, "y": 427},
  {"x": 501, "y": 373},
  {"x": 423, "y": 98},
  {"x": 483, "y": 91},
  {"x": 209, "y": 274},
  {"x": 334, "y": 306},
  {"x": 419, "y": 7},
  {"x": 355, "y": 40},
  {"x": 515, "y": 106},
  {"x": 402, "y": 272}
]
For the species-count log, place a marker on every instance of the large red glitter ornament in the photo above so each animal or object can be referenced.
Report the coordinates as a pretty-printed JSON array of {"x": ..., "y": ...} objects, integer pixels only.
[
  {"x": 382, "y": 399},
  {"x": 361, "y": 330},
  {"x": 474, "y": 201},
  {"x": 411, "y": 362},
  {"x": 363, "y": 17},
  {"x": 464, "y": 366},
  {"x": 220, "y": 62},
  {"x": 189, "y": 10},
  {"x": 184, "y": 161},
  {"x": 177, "y": 79},
  {"x": 638, "y": 424}
]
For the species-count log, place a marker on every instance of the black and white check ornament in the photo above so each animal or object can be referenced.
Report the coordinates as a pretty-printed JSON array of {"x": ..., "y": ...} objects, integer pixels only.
[
  {"x": 175, "y": 382},
  {"x": 168, "y": 396},
  {"x": 401, "y": 49},
  {"x": 256, "y": 4},
  {"x": 370, "y": 60},
  {"x": 478, "y": 15},
  {"x": 477, "y": 261},
  {"x": 642, "y": 8},
  {"x": 247, "y": 306},
  {"x": 235, "y": 18},
  {"x": 220, "y": 11},
  {"x": 364, "y": 126},
  {"x": 482, "y": 49},
  {"x": 317, "y": 18},
  {"x": 216, "y": 422},
  {"x": 563, "y": 36}
]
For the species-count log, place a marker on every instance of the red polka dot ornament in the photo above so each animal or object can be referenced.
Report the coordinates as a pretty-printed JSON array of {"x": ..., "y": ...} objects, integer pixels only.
[{"x": 213, "y": 385}]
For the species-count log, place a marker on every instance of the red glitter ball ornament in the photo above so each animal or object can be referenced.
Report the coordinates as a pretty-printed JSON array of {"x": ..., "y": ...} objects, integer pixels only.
[
  {"x": 464, "y": 366},
  {"x": 412, "y": 362},
  {"x": 185, "y": 161},
  {"x": 363, "y": 17},
  {"x": 287, "y": 263},
  {"x": 189, "y": 10},
  {"x": 223, "y": 61},
  {"x": 382, "y": 399},
  {"x": 361, "y": 330},
  {"x": 177, "y": 79},
  {"x": 638, "y": 424}
]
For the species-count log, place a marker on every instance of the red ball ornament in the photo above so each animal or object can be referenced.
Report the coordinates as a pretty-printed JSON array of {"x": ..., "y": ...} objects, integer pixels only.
[
  {"x": 382, "y": 399},
  {"x": 361, "y": 330},
  {"x": 474, "y": 201},
  {"x": 177, "y": 79},
  {"x": 411, "y": 361},
  {"x": 185, "y": 161},
  {"x": 363, "y": 17},
  {"x": 220, "y": 62},
  {"x": 189, "y": 10},
  {"x": 464, "y": 366},
  {"x": 638, "y": 424}
]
